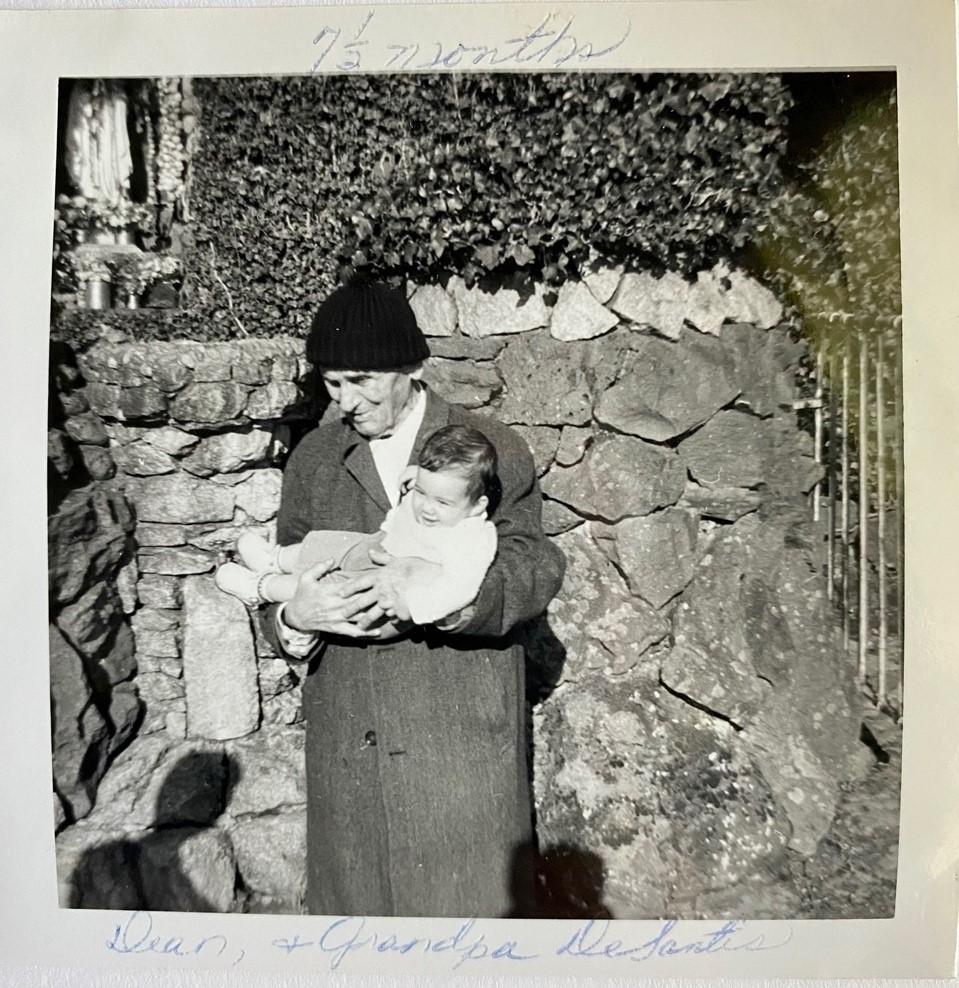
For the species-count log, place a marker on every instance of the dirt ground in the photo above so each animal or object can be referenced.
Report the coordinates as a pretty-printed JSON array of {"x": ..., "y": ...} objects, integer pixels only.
[{"x": 853, "y": 876}]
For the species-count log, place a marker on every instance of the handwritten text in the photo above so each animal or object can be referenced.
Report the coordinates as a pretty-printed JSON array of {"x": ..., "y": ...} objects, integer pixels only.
[
  {"x": 551, "y": 44},
  {"x": 592, "y": 940},
  {"x": 137, "y": 936},
  {"x": 341, "y": 939},
  {"x": 346, "y": 936}
]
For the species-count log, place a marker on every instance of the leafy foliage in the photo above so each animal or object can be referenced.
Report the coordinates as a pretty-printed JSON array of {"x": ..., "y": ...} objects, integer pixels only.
[
  {"x": 82, "y": 328},
  {"x": 422, "y": 175},
  {"x": 832, "y": 247},
  {"x": 832, "y": 243}
]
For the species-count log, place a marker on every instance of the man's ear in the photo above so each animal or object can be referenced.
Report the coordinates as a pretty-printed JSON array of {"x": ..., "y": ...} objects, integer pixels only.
[
  {"x": 416, "y": 372},
  {"x": 482, "y": 503}
]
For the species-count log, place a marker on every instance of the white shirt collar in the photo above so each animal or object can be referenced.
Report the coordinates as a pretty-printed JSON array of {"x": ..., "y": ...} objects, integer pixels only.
[{"x": 391, "y": 454}]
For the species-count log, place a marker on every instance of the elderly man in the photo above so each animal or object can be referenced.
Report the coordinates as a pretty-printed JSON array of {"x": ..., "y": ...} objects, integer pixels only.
[{"x": 418, "y": 798}]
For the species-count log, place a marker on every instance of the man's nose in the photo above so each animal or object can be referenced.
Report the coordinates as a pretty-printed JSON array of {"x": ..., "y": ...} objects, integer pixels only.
[{"x": 349, "y": 398}]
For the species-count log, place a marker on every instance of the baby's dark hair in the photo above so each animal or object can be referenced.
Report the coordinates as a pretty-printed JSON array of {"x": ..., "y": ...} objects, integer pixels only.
[{"x": 466, "y": 450}]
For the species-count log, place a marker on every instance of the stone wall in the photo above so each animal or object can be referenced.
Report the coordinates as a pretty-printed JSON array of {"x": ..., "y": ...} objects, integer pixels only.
[
  {"x": 91, "y": 567},
  {"x": 204, "y": 810},
  {"x": 695, "y": 716}
]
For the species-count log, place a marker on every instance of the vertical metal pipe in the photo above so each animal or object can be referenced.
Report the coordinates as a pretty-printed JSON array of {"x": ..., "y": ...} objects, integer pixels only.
[
  {"x": 863, "y": 503},
  {"x": 900, "y": 514},
  {"x": 817, "y": 441},
  {"x": 844, "y": 514},
  {"x": 831, "y": 472},
  {"x": 883, "y": 686}
]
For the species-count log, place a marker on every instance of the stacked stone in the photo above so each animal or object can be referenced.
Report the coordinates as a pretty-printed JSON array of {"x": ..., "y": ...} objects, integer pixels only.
[
  {"x": 702, "y": 715},
  {"x": 698, "y": 717},
  {"x": 194, "y": 431},
  {"x": 193, "y": 825},
  {"x": 92, "y": 572},
  {"x": 193, "y": 434},
  {"x": 93, "y": 701}
]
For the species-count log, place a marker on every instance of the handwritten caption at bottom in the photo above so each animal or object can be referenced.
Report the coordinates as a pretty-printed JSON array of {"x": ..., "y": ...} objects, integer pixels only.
[{"x": 465, "y": 944}]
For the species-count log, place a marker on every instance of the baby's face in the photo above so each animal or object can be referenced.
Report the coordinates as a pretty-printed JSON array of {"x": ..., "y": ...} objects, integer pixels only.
[{"x": 441, "y": 497}]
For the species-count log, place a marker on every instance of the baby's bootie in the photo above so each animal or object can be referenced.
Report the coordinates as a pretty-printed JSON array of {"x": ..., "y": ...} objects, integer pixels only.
[
  {"x": 239, "y": 581},
  {"x": 257, "y": 553}
]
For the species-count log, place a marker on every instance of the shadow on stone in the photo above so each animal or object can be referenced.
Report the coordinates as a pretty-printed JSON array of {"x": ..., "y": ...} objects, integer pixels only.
[
  {"x": 183, "y": 863},
  {"x": 563, "y": 882},
  {"x": 545, "y": 659}
]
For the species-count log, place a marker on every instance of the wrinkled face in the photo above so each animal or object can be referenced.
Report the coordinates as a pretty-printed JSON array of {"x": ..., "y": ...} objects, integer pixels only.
[
  {"x": 441, "y": 497},
  {"x": 372, "y": 402}
]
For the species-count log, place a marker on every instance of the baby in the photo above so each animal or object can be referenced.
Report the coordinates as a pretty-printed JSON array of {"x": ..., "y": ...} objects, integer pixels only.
[{"x": 441, "y": 517}]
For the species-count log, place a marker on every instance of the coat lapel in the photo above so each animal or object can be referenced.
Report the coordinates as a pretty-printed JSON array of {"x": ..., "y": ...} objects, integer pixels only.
[
  {"x": 436, "y": 415},
  {"x": 359, "y": 461}
]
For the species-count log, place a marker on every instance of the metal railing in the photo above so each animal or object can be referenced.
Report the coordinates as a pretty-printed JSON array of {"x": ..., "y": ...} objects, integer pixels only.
[{"x": 857, "y": 426}]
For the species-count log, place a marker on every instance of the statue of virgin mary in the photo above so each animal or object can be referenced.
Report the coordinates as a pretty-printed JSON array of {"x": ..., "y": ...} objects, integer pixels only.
[{"x": 98, "y": 157}]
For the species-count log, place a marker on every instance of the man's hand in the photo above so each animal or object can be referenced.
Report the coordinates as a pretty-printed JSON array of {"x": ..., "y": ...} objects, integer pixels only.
[
  {"x": 387, "y": 585},
  {"x": 330, "y": 607}
]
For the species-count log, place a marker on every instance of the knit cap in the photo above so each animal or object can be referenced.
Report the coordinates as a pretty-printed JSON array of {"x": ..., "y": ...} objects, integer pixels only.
[{"x": 365, "y": 325}]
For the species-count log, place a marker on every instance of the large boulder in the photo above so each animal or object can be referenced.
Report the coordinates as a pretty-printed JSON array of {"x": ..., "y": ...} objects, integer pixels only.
[
  {"x": 647, "y": 301},
  {"x": 273, "y": 400},
  {"x": 594, "y": 618},
  {"x": 170, "y": 439},
  {"x": 463, "y": 382},
  {"x": 756, "y": 644},
  {"x": 212, "y": 403},
  {"x": 659, "y": 791},
  {"x": 80, "y": 735},
  {"x": 271, "y": 853},
  {"x": 142, "y": 459},
  {"x": 219, "y": 663},
  {"x": 730, "y": 450},
  {"x": 619, "y": 477},
  {"x": 549, "y": 382},
  {"x": 667, "y": 389},
  {"x": 188, "y": 869},
  {"x": 180, "y": 499},
  {"x": 228, "y": 452},
  {"x": 504, "y": 311},
  {"x": 435, "y": 311},
  {"x": 266, "y": 771},
  {"x": 657, "y": 554},
  {"x": 578, "y": 316}
]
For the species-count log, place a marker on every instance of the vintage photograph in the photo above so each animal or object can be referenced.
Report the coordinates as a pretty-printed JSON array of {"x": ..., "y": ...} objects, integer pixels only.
[{"x": 477, "y": 494}]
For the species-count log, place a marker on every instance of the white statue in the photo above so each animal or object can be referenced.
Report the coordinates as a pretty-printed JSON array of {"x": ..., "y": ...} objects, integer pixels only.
[{"x": 98, "y": 157}]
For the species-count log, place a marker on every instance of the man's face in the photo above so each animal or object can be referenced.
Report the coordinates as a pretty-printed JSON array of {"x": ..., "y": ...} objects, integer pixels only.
[{"x": 372, "y": 402}]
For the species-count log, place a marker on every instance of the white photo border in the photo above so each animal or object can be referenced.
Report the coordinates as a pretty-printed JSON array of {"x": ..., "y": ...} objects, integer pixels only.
[{"x": 917, "y": 40}]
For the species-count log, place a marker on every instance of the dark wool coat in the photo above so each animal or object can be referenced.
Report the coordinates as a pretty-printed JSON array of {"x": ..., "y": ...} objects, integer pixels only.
[{"x": 418, "y": 795}]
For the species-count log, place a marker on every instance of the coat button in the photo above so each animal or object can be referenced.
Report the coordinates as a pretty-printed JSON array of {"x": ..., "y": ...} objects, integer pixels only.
[{"x": 369, "y": 739}]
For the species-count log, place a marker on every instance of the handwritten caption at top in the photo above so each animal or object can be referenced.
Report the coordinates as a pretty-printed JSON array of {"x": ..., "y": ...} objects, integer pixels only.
[
  {"x": 465, "y": 944},
  {"x": 553, "y": 43}
]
